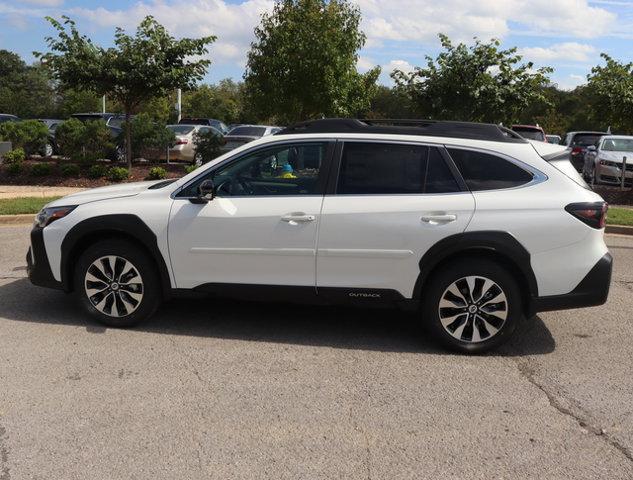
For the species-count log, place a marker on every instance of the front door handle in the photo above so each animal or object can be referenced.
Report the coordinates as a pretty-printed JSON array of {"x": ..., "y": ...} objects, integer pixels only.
[
  {"x": 439, "y": 219},
  {"x": 297, "y": 218}
]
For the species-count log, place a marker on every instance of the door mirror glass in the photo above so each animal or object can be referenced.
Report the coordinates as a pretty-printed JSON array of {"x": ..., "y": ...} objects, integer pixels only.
[{"x": 206, "y": 192}]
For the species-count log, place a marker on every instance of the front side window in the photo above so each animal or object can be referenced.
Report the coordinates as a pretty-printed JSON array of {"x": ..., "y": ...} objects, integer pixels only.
[
  {"x": 482, "y": 171},
  {"x": 282, "y": 170},
  {"x": 384, "y": 168}
]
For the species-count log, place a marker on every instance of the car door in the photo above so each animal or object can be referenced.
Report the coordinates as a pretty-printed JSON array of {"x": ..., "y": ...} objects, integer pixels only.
[
  {"x": 261, "y": 227},
  {"x": 391, "y": 203}
]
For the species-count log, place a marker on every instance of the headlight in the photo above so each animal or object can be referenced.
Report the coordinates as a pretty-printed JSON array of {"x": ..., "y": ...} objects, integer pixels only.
[
  {"x": 608, "y": 163},
  {"x": 50, "y": 214}
]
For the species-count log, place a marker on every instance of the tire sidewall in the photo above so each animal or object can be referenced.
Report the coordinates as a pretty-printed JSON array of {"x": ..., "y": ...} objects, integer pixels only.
[
  {"x": 464, "y": 268},
  {"x": 141, "y": 261}
]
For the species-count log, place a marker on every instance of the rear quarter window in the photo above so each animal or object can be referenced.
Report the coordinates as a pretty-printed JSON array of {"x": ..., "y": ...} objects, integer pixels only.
[{"x": 483, "y": 171}]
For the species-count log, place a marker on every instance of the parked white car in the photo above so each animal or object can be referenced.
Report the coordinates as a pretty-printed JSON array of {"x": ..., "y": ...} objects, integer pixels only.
[
  {"x": 604, "y": 161},
  {"x": 468, "y": 224}
]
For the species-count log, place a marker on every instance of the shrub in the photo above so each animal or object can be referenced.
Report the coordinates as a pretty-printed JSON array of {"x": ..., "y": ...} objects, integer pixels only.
[
  {"x": 97, "y": 171},
  {"x": 15, "y": 168},
  {"x": 31, "y": 135},
  {"x": 70, "y": 170},
  {"x": 149, "y": 138},
  {"x": 83, "y": 141},
  {"x": 41, "y": 169},
  {"x": 208, "y": 145},
  {"x": 190, "y": 168},
  {"x": 117, "y": 174},
  {"x": 157, "y": 173},
  {"x": 16, "y": 155}
]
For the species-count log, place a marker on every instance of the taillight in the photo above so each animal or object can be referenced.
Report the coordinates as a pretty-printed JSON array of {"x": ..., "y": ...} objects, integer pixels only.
[
  {"x": 576, "y": 150},
  {"x": 593, "y": 214}
]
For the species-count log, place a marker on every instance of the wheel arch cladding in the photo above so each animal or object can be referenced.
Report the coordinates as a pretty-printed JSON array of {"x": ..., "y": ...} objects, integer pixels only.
[
  {"x": 496, "y": 245},
  {"x": 121, "y": 226}
]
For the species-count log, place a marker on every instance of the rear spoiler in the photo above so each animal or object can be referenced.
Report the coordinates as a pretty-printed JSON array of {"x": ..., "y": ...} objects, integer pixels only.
[{"x": 562, "y": 155}]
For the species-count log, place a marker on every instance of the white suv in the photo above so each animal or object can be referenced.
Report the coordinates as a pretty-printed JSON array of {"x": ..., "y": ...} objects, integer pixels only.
[{"x": 469, "y": 224}]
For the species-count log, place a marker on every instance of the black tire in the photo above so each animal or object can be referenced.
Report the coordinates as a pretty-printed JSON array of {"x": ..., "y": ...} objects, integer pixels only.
[
  {"x": 139, "y": 262},
  {"x": 488, "y": 337}
]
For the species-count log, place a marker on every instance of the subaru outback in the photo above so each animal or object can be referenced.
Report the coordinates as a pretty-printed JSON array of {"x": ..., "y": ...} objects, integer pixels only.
[{"x": 469, "y": 225}]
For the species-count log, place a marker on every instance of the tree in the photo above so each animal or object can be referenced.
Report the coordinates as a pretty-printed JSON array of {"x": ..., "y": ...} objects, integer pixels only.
[
  {"x": 479, "y": 83},
  {"x": 222, "y": 101},
  {"x": 25, "y": 90},
  {"x": 612, "y": 88},
  {"x": 303, "y": 62},
  {"x": 138, "y": 68}
]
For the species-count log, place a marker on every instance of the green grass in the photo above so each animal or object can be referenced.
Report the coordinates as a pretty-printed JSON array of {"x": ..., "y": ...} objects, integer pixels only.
[
  {"x": 620, "y": 216},
  {"x": 15, "y": 206}
]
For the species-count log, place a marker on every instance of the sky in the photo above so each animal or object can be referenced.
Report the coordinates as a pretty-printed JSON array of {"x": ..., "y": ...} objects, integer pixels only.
[{"x": 568, "y": 35}]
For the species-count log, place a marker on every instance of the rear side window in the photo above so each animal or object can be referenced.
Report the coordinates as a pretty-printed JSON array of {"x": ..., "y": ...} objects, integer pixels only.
[
  {"x": 249, "y": 131},
  {"x": 482, "y": 171},
  {"x": 383, "y": 168}
]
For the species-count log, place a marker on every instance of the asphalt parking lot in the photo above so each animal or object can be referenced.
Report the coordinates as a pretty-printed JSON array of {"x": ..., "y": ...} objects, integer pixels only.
[{"x": 227, "y": 390}]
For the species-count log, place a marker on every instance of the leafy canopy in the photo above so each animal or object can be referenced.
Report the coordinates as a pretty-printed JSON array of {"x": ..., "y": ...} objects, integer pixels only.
[
  {"x": 303, "y": 62},
  {"x": 612, "y": 87},
  {"x": 480, "y": 83},
  {"x": 139, "y": 67}
]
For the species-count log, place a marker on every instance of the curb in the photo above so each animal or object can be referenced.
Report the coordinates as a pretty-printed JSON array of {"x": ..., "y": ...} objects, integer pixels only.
[
  {"x": 17, "y": 219},
  {"x": 619, "y": 229}
]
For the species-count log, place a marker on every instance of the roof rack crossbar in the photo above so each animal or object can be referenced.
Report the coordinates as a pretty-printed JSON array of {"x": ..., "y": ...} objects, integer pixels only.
[{"x": 436, "y": 128}]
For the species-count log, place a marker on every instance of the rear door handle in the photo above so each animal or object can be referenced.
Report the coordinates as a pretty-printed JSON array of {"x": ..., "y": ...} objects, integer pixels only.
[
  {"x": 439, "y": 219},
  {"x": 298, "y": 217}
]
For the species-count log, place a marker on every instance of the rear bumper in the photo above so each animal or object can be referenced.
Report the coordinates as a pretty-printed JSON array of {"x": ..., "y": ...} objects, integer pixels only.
[
  {"x": 591, "y": 291},
  {"x": 37, "y": 265}
]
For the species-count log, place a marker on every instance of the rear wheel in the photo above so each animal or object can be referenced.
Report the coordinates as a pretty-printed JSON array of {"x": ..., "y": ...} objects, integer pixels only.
[
  {"x": 117, "y": 283},
  {"x": 472, "y": 305}
]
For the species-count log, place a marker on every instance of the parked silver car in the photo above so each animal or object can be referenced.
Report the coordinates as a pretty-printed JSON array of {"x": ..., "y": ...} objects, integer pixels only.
[
  {"x": 185, "y": 145},
  {"x": 604, "y": 160},
  {"x": 247, "y": 133}
]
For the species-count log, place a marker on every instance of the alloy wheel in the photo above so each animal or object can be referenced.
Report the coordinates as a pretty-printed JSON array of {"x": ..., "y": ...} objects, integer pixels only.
[
  {"x": 473, "y": 309},
  {"x": 114, "y": 286}
]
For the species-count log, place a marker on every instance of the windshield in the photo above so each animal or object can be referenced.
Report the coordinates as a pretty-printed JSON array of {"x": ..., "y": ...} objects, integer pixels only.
[
  {"x": 181, "y": 129},
  {"x": 530, "y": 133},
  {"x": 584, "y": 140},
  {"x": 618, "y": 145},
  {"x": 248, "y": 131}
]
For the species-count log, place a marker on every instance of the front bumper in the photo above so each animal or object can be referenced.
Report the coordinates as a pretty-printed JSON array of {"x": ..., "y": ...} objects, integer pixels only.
[
  {"x": 591, "y": 291},
  {"x": 613, "y": 175},
  {"x": 37, "y": 265}
]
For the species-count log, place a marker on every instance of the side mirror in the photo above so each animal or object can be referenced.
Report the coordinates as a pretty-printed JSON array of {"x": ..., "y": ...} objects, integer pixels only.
[
  {"x": 591, "y": 148},
  {"x": 206, "y": 192}
]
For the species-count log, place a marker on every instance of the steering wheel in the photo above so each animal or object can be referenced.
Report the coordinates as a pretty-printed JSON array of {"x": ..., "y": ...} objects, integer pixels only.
[{"x": 235, "y": 186}]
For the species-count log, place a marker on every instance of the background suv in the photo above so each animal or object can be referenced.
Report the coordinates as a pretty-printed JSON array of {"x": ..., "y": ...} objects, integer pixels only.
[
  {"x": 470, "y": 225},
  {"x": 578, "y": 142}
]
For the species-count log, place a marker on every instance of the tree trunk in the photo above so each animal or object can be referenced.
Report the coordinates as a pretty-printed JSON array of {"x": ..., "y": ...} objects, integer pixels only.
[{"x": 128, "y": 139}]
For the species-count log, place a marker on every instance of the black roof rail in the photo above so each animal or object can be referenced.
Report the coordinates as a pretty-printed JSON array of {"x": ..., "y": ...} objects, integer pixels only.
[{"x": 434, "y": 128}]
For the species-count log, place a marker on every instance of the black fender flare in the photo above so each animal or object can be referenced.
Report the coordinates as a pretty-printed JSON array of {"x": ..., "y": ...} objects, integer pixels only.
[
  {"x": 125, "y": 225},
  {"x": 496, "y": 242}
]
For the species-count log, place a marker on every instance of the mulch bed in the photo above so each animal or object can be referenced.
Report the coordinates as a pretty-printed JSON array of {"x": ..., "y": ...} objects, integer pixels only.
[
  {"x": 613, "y": 195},
  {"x": 139, "y": 172}
]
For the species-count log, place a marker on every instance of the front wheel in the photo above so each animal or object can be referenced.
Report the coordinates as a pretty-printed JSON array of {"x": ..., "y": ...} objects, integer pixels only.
[
  {"x": 472, "y": 305},
  {"x": 116, "y": 282}
]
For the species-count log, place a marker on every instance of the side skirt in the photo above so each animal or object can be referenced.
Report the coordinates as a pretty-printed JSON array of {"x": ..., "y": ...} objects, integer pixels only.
[{"x": 365, "y": 297}]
